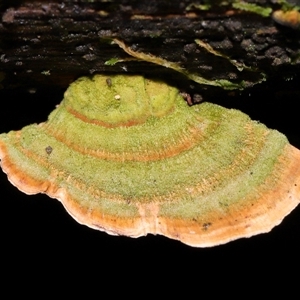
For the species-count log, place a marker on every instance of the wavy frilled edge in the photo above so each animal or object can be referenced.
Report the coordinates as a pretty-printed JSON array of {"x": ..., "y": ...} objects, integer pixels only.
[{"x": 258, "y": 216}]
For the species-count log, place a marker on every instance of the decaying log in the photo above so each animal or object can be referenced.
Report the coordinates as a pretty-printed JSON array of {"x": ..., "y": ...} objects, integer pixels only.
[{"x": 54, "y": 42}]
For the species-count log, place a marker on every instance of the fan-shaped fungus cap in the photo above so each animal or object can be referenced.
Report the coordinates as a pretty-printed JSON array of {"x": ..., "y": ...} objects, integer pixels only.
[{"x": 145, "y": 162}]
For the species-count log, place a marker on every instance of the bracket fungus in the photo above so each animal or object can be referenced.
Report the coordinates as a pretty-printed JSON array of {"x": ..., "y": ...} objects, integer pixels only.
[{"x": 126, "y": 155}]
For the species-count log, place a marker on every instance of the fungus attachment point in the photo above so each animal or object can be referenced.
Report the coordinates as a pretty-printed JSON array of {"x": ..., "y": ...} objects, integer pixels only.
[{"x": 203, "y": 174}]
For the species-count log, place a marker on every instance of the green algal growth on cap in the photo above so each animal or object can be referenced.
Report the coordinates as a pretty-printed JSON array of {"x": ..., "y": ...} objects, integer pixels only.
[{"x": 127, "y": 155}]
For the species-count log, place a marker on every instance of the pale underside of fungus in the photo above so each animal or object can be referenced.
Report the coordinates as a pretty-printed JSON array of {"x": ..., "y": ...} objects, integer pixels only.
[{"x": 127, "y": 155}]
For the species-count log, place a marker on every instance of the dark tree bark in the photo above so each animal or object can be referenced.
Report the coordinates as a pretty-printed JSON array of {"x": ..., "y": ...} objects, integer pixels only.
[{"x": 54, "y": 42}]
